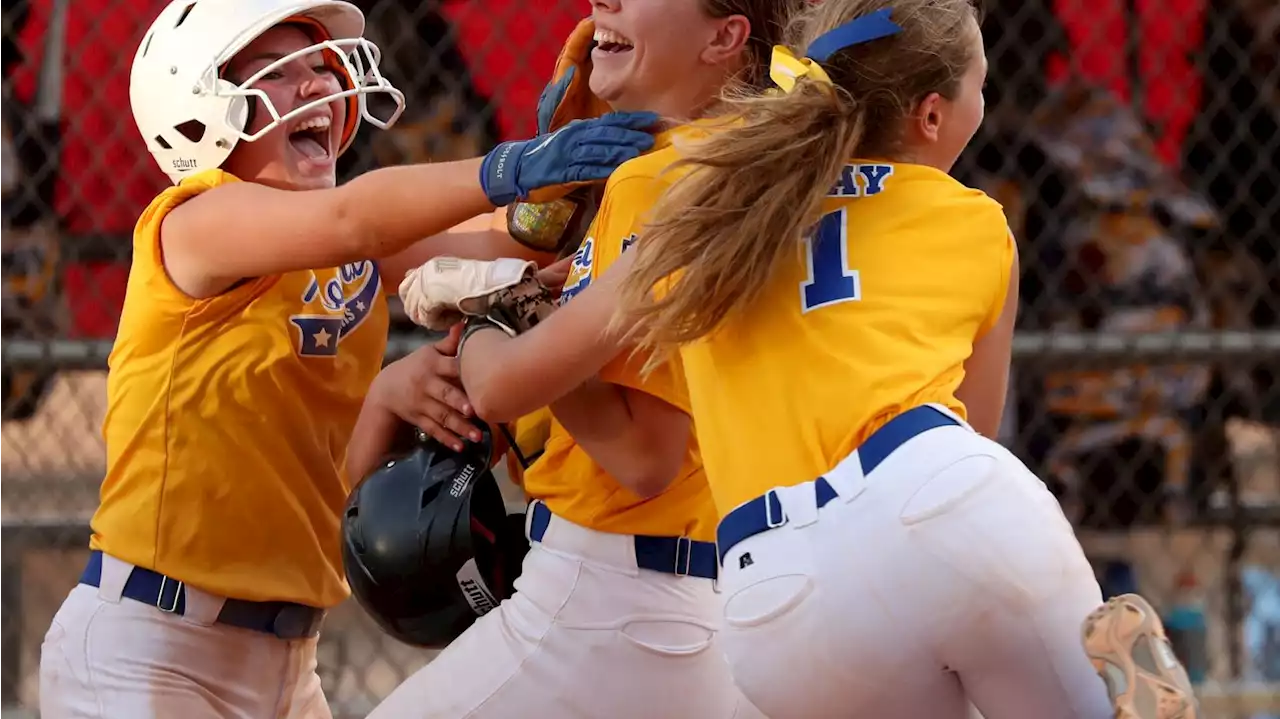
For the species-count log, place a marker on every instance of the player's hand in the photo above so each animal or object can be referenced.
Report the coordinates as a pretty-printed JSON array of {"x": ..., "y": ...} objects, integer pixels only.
[
  {"x": 505, "y": 291},
  {"x": 438, "y": 294},
  {"x": 551, "y": 166},
  {"x": 422, "y": 390},
  {"x": 553, "y": 276}
]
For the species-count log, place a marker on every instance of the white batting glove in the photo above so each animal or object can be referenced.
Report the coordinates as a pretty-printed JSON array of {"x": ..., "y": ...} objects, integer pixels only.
[{"x": 436, "y": 294}]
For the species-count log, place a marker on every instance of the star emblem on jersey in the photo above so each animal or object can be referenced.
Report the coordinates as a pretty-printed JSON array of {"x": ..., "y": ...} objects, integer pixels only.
[{"x": 334, "y": 307}]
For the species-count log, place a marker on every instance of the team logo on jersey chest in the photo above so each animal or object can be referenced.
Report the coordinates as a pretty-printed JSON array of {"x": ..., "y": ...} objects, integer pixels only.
[
  {"x": 579, "y": 270},
  {"x": 583, "y": 263},
  {"x": 347, "y": 299}
]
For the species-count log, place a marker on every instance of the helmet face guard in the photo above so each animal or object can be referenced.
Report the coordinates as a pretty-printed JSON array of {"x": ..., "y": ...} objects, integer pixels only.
[
  {"x": 358, "y": 59},
  {"x": 428, "y": 546}
]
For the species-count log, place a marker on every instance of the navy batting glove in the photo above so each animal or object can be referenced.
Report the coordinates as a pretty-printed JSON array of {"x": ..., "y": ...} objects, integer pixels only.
[{"x": 581, "y": 152}]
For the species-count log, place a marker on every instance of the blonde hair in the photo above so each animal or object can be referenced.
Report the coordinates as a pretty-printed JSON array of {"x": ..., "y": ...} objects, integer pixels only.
[{"x": 756, "y": 184}]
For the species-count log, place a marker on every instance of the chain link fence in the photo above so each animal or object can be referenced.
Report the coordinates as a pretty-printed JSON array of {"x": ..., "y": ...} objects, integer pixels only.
[{"x": 1133, "y": 144}]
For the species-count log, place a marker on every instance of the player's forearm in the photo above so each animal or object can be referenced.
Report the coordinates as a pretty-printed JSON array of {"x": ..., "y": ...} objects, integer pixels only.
[
  {"x": 508, "y": 377},
  {"x": 375, "y": 435},
  {"x": 429, "y": 199}
]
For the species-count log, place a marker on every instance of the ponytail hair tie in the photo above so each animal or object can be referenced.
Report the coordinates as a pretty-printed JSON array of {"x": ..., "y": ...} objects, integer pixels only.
[{"x": 785, "y": 68}]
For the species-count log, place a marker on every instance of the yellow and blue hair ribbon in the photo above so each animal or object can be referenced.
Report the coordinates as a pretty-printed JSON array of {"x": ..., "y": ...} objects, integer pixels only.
[{"x": 785, "y": 68}]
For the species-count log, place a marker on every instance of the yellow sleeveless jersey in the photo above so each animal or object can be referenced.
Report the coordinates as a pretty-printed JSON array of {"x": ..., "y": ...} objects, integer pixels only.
[
  {"x": 566, "y": 478},
  {"x": 527, "y": 438},
  {"x": 228, "y": 418},
  {"x": 876, "y": 314}
]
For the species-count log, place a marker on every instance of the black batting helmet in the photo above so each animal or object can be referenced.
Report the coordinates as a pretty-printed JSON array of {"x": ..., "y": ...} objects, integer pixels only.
[{"x": 427, "y": 543}]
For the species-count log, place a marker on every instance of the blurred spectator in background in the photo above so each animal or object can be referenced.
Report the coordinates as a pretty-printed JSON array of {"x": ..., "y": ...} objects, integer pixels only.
[
  {"x": 1233, "y": 155},
  {"x": 1233, "y": 152},
  {"x": 1125, "y": 267},
  {"x": 29, "y": 302},
  {"x": 1128, "y": 193}
]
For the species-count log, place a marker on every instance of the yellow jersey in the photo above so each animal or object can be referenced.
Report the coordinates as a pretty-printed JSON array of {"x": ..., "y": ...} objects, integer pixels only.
[
  {"x": 228, "y": 418},
  {"x": 565, "y": 477},
  {"x": 526, "y": 439},
  {"x": 876, "y": 314}
]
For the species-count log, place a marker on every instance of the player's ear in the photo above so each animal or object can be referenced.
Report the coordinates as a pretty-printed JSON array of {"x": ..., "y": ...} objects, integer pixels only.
[
  {"x": 729, "y": 40},
  {"x": 928, "y": 116}
]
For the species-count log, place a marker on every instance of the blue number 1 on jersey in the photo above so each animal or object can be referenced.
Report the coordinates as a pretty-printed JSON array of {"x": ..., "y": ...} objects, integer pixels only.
[{"x": 830, "y": 280}]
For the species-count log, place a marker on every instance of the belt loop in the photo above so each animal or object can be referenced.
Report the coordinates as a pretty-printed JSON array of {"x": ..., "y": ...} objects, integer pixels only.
[
  {"x": 169, "y": 607},
  {"x": 800, "y": 504},
  {"x": 715, "y": 581},
  {"x": 528, "y": 519},
  {"x": 848, "y": 479},
  {"x": 948, "y": 412},
  {"x": 115, "y": 575},
  {"x": 199, "y": 607},
  {"x": 682, "y": 570},
  {"x": 772, "y": 520}
]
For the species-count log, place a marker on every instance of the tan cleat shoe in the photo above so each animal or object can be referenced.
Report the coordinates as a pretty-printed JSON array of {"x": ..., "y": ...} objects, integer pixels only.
[{"x": 1128, "y": 647}]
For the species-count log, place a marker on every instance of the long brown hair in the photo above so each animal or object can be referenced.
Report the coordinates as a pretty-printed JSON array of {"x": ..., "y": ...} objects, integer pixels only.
[{"x": 755, "y": 185}]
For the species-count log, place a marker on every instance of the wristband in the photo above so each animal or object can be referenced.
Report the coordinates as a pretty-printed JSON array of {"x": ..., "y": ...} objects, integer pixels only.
[
  {"x": 498, "y": 173},
  {"x": 473, "y": 325}
]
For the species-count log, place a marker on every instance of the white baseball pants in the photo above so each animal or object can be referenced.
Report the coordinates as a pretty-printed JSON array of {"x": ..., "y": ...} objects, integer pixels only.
[
  {"x": 105, "y": 657},
  {"x": 946, "y": 575},
  {"x": 587, "y": 635}
]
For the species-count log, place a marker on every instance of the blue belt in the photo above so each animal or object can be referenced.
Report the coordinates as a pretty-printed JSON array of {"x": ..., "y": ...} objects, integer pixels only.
[
  {"x": 765, "y": 512},
  {"x": 283, "y": 619},
  {"x": 670, "y": 555}
]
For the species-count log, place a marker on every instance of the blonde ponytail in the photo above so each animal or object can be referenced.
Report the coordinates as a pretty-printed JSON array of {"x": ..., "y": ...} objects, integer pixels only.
[{"x": 749, "y": 190}]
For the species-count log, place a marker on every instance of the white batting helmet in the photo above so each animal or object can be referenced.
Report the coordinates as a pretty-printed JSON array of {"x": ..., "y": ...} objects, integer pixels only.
[{"x": 191, "y": 118}]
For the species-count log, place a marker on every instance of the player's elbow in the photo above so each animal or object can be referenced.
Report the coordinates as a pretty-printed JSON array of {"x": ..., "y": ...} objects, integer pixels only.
[
  {"x": 653, "y": 452},
  {"x": 492, "y": 398},
  {"x": 492, "y": 409},
  {"x": 646, "y": 484},
  {"x": 647, "y": 473}
]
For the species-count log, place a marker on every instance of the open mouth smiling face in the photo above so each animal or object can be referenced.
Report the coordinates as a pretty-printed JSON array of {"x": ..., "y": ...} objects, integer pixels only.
[
  {"x": 609, "y": 43},
  {"x": 312, "y": 137}
]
